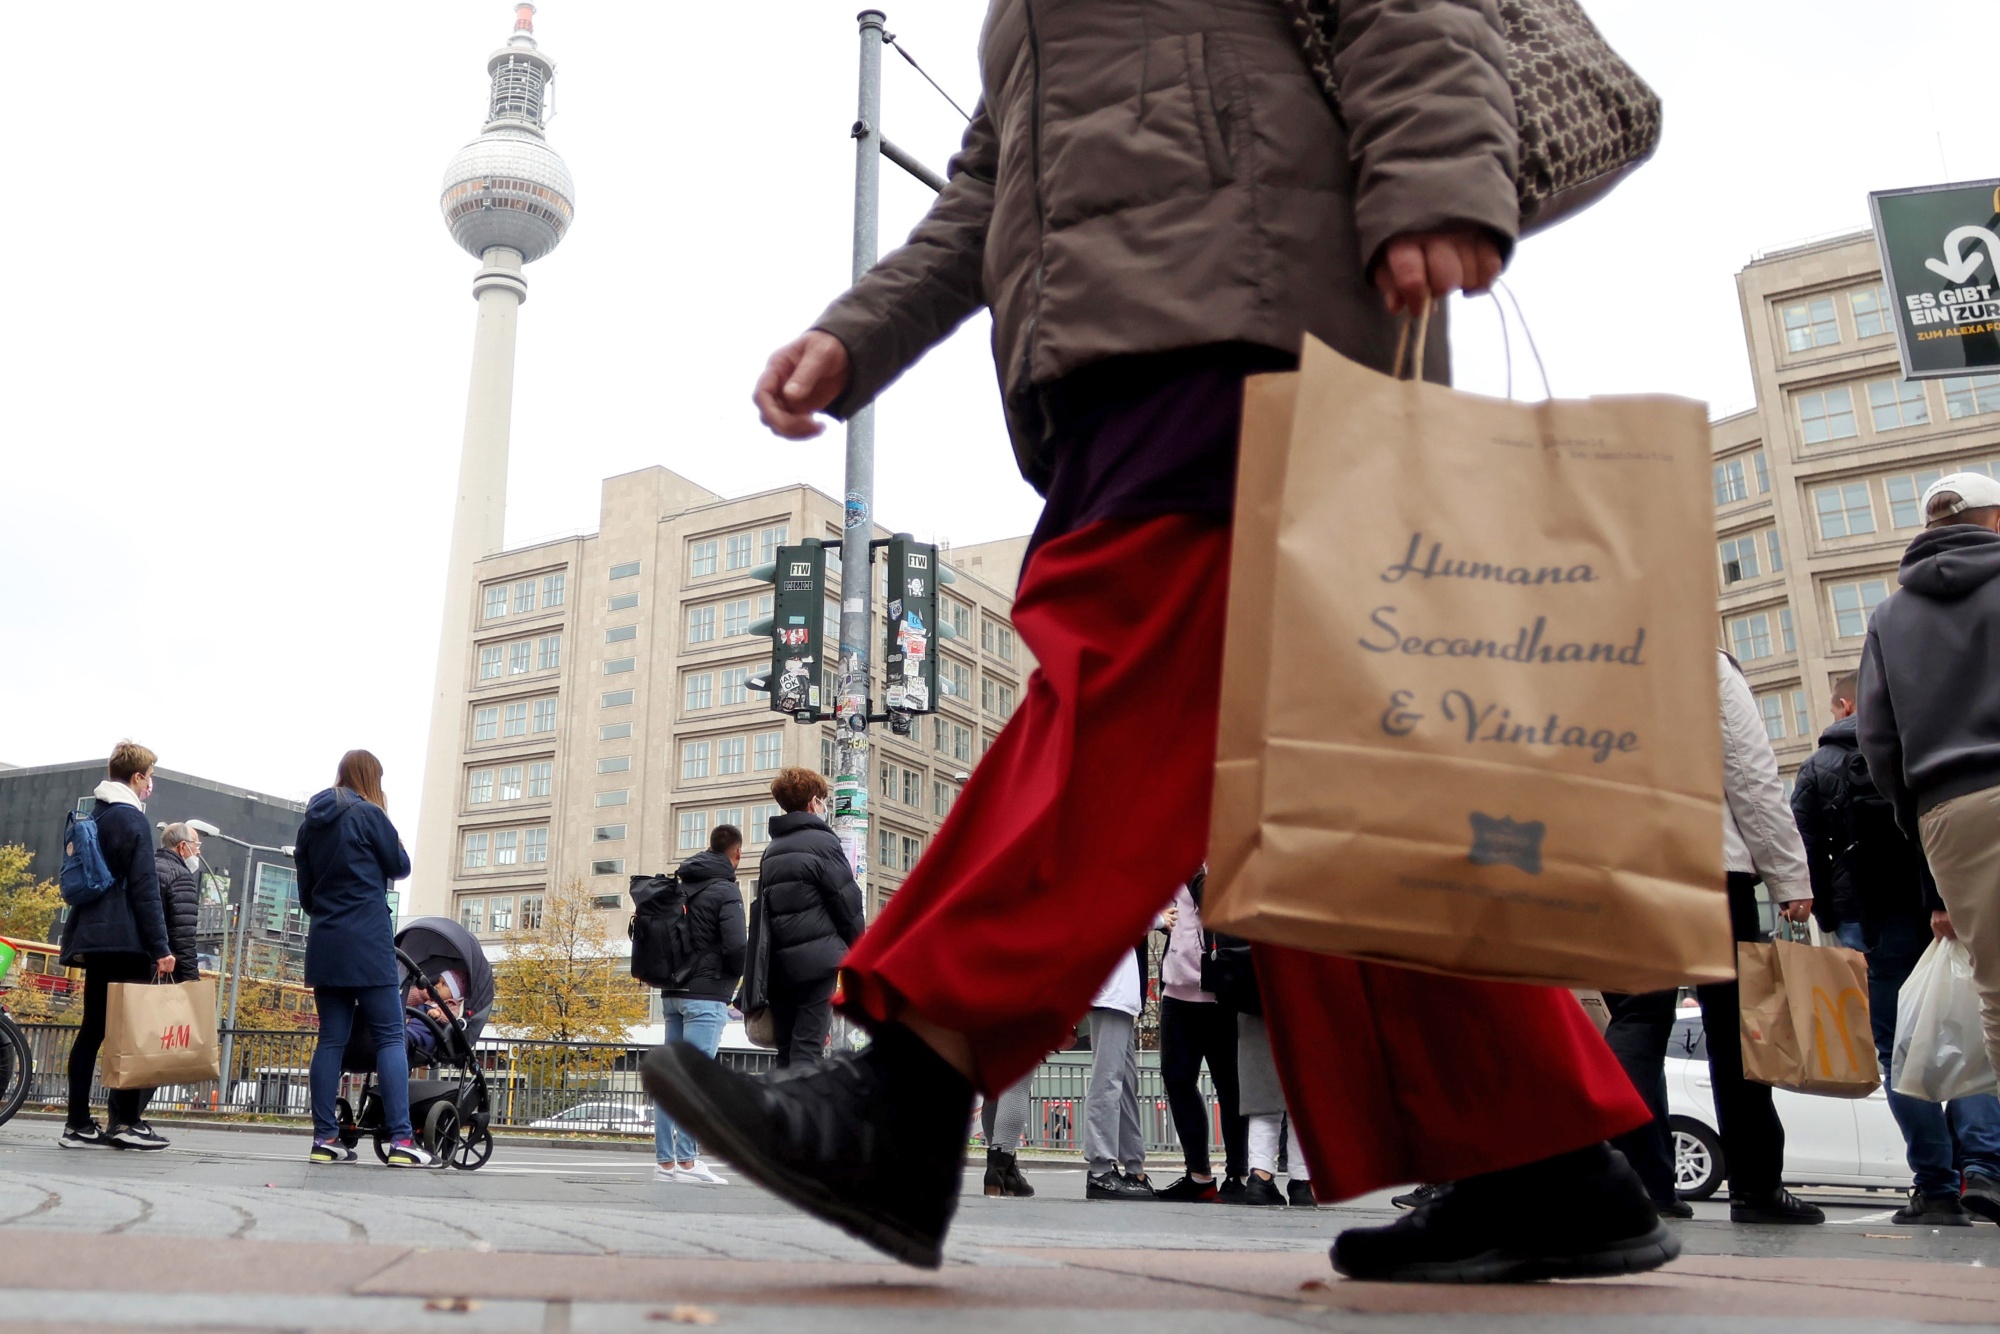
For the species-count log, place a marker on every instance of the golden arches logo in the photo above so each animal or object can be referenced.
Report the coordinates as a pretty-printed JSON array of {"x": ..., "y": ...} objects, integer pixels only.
[{"x": 1837, "y": 1010}]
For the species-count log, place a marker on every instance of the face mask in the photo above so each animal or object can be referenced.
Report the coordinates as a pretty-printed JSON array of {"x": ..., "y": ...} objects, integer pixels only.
[{"x": 194, "y": 862}]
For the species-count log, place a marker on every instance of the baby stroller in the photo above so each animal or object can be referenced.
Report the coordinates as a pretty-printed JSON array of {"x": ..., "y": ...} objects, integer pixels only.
[{"x": 450, "y": 1111}]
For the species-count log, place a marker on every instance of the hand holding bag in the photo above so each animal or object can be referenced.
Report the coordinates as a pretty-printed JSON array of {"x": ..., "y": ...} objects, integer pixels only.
[
  {"x": 159, "y": 1033},
  {"x": 1940, "y": 1051},
  {"x": 1805, "y": 1020}
]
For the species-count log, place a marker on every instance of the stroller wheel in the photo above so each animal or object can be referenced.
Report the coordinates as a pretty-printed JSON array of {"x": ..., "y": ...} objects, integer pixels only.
[
  {"x": 474, "y": 1148},
  {"x": 441, "y": 1132}
]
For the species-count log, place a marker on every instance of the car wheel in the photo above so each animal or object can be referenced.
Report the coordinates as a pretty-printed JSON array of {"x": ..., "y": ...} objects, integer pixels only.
[{"x": 1698, "y": 1166}]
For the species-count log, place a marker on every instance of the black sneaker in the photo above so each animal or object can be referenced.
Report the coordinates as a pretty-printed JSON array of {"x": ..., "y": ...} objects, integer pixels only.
[
  {"x": 1943, "y": 1209},
  {"x": 1577, "y": 1215},
  {"x": 1410, "y": 1199},
  {"x": 1262, "y": 1192},
  {"x": 1674, "y": 1209},
  {"x": 1230, "y": 1192},
  {"x": 1299, "y": 1194},
  {"x": 872, "y": 1142},
  {"x": 1189, "y": 1191},
  {"x": 1777, "y": 1206},
  {"x": 1115, "y": 1185},
  {"x": 87, "y": 1136},
  {"x": 138, "y": 1135},
  {"x": 1003, "y": 1176},
  {"x": 1982, "y": 1196}
]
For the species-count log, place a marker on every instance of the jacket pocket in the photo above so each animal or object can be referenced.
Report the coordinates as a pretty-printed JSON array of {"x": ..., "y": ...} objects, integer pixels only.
[{"x": 1212, "y": 112}]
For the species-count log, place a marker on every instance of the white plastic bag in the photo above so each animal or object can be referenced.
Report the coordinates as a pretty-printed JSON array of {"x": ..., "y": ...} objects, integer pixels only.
[{"x": 1940, "y": 1051}]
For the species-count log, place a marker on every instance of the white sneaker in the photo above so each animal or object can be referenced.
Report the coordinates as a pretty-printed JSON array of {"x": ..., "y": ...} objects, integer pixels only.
[
  {"x": 700, "y": 1173},
  {"x": 666, "y": 1172}
]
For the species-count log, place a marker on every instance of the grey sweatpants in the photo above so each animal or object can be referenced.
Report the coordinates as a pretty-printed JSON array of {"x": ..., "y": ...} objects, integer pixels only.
[{"x": 1111, "y": 1135}]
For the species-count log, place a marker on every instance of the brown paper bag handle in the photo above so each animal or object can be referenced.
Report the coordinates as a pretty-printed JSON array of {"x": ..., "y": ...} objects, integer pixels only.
[{"x": 1423, "y": 323}]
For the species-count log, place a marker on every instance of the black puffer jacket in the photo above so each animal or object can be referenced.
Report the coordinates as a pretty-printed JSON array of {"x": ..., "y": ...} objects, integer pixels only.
[
  {"x": 715, "y": 911},
  {"x": 125, "y": 919},
  {"x": 180, "y": 899},
  {"x": 812, "y": 907},
  {"x": 1864, "y": 869}
]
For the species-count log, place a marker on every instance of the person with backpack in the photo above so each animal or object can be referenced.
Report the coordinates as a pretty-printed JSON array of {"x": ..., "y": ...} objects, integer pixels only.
[
  {"x": 347, "y": 853},
  {"x": 1856, "y": 853},
  {"x": 812, "y": 913},
  {"x": 116, "y": 931},
  {"x": 688, "y": 937}
]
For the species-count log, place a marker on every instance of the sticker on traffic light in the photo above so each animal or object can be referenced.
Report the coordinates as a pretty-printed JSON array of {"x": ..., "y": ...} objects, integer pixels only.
[
  {"x": 796, "y": 631},
  {"x": 911, "y": 657}
]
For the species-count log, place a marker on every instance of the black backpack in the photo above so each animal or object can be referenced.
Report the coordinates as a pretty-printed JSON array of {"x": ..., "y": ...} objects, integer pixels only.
[
  {"x": 662, "y": 933},
  {"x": 1876, "y": 854}
]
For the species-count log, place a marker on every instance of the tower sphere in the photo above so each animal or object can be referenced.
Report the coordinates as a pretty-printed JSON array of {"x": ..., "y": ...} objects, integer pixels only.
[{"x": 508, "y": 187}]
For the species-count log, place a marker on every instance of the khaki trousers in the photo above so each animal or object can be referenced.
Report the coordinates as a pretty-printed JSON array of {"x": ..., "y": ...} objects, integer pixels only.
[{"x": 1962, "y": 841}]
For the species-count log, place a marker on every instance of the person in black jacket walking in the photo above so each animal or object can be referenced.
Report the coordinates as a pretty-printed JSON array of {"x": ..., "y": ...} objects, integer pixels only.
[
  {"x": 119, "y": 936},
  {"x": 697, "y": 1013},
  {"x": 175, "y": 861},
  {"x": 812, "y": 913},
  {"x": 347, "y": 852}
]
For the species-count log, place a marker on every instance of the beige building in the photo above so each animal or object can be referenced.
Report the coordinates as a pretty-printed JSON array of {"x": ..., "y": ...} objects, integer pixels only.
[
  {"x": 1816, "y": 489},
  {"x": 606, "y": 721}
]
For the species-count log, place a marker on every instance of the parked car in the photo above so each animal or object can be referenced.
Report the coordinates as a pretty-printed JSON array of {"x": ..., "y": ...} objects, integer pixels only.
[
  {"x": 1828, "y": 1141},
  {"x": 628, "y": 1117}
]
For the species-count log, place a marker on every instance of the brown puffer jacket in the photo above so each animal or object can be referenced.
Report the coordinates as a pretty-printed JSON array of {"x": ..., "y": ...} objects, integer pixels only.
[{"x": 1145, "y": 175}]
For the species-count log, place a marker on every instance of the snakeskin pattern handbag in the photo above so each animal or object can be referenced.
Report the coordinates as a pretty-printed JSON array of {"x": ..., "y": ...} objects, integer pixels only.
[{"x": 1586, "y": 117}]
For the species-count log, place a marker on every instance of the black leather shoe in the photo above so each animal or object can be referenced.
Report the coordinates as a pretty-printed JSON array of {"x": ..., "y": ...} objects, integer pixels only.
[
  {"x": 1003, "y": 1176},
  {"x": 1230, "y": 1192},
  {"x": 1982, "y": 1196},
  {"x": 1189, "y": 1191},
  {"x": 1944, "y": 1209},
  {"x": 1577, "y": 1215},
  {"x": 1777, "y": 1206},
  {"x": 1262, "y": 1192},
  {"x": 1115, "y": 1185},
  {"x": 873, "y": 1143},
  {"x": 1299, "y": 1194},
  {"x": 1674, "y": 1209}
]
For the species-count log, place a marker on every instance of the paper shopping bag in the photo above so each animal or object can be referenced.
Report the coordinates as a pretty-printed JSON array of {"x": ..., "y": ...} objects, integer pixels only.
[
  {"x": 1469, "y": 713},
  {"x": 1805, "y": 1018},
  {"x": 159, "y": 1033}
]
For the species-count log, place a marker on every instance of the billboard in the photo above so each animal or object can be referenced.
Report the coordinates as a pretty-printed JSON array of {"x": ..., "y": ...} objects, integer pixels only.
[{"x": 1940, "y": 249}]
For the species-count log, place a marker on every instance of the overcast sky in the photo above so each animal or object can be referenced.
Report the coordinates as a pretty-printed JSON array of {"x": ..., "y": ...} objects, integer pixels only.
[{"x": 234, "y": 333}]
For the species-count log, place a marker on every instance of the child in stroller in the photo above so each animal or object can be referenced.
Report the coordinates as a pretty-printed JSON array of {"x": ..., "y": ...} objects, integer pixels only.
[{"x": 448, "y": 989}]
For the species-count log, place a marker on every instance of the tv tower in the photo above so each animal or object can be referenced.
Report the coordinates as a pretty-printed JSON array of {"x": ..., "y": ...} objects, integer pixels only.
[{"x": 508, "y": 200}]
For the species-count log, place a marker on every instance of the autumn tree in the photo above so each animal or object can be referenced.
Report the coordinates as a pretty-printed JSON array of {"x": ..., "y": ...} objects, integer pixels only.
[
  {"x": 28, "y": 907},
  {"x": 563, "y": 982}
]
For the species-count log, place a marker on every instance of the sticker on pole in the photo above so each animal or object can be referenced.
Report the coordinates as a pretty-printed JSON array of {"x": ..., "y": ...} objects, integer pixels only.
[
  {"x": 1940, "y": 248},
  {"x": 857, "y": 509}
]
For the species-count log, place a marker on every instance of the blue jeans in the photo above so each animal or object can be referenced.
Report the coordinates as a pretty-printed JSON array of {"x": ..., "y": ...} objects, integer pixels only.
[
  {"x": 381, "y": 1009},
  {"x": 1942, "y": 1139},
  {"x": 698, "y": 1023},
  {"x": 1851, "y": 935}
]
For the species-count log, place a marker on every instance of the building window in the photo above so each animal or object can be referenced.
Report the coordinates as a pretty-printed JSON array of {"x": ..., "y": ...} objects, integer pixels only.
[
  {"x": 541, "y": 778},
  {"x": 545, "y": 715},
  {"x": 506, "y": 851},
  {"x": 730, "y": 815},
  {"x": 701, "y": 559},
  {"x": 694, "y": 760},
  {"x": 1801, "y": 716},
  {"x": 480, "y": 790},
  {"x": 952, "y": 739},
  {"x": 1827, "y": 415},
  {"x": 486, "y": 724},
  {"x": 1773, "y": 709},
  {"x": 552, "y": 590},
  {"x": 885, "y": 850},
  {"x": 729, "y": 755},
  {"x": 943, "y": 794},
  {"x": 472, "y": 915},
  {"x": 736, "y": 617},
  {"x": 475, "y": 851},
  {"x": 1751, "y": 636},
  {"x": 531, "y": 911},
  {"x": 491, "y": 658},
  {"x": 1810, "y": 324},
  {"x": 1006, "y": 709},
  {"x": 614, "y": 731},
  {"x": 629, "y": 570},
  {"x": 736, "y": 686},
  {"x": 518, "y": 657},
  {"x": 959, "y": 617},
  {"x": 618, "y": 798},
  {"x": 736, "y": 552},
  {"x": 699, "y": 690},
  {"x": 615, "y": 764},
  {"x": 830, "y": 622},
  {"x": 913, "y": 789},
  {"x": 957, "y": 679},
  {"x": 997, "y": 639},
  {"x": 608, "y": 833},
  {"x": 826, "y": 756},
  {"x": 758, "y": 830},
  {"x": 767, "y": 751},
  {"x": 619, "y": 666},
  {"x": 619, "y": 634},
  {"x": 701, "y": 625},
  {"x": 832, "y": 549},
  {"x": 615, "y": 699},
  {"x": 885, "y": 781},
  {"x": 1970, "y": 396},
  {"x": 1844, "y": 510},
  {"x": 551, "y": 653},
  {"x": 623, "y": 602},
  {"x": 1771, "y": 547},
  {"x": 514, "y": 719},
  {"x": 912, "y": 849},
  {"x": 1729, "y": 484},
  {"x": 1785, "y": 629},
  {"x": 510, "y": 783},
  {"x": 769, "y": 540},
  {"x": 534, "y": 845},
  {"x": 1895, "y": 404},
  {"x": 1763, "y": 473},
  {"x": 496, "y": 601},
  {"x": 1905, "y": 493},
  {"x": 1871, "y": 311},
  {"x": 609, "y": 866},
  {"x": 503, "y": 908},
  {"x": 524, "y": 597},
  {"x": 1852, "y": 603},
  {"x": 1739, "y": 559},
  {"x": 694, "y": 831}
]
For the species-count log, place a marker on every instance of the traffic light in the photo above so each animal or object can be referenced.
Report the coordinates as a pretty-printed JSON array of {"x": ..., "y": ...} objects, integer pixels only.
[
  {"x": 910, "y": 658},
  {"x": 797, "y": 631}
]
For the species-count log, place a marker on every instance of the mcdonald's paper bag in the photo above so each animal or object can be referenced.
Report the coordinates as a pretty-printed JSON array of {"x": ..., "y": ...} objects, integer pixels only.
[
  {"x": 1469, "y": 714},
  {"x": 159, "y": 1033},
  {"x": 1805, "y": 1018}
]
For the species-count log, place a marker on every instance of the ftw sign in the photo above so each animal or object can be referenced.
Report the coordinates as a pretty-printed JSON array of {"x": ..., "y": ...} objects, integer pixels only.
[{"x": 1940, "y": 248}]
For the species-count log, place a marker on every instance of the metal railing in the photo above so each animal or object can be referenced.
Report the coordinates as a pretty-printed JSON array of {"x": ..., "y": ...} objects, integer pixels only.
[{"x": 563, "y": 1086}]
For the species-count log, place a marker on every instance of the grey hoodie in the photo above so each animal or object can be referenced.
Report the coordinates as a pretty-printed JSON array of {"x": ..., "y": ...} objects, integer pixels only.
[{"x": 1930, "y": 674}]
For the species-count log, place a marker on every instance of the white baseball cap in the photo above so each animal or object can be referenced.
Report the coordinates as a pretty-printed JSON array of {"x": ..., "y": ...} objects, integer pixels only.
[{"x": 1975, "y": 491}]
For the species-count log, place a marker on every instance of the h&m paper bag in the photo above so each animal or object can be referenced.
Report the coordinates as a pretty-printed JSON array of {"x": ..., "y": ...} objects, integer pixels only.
[
  {"x": 159, "y": 1033},
  {"x": 1469, "y": 711},
  {"x": 1805, "y": 1019}
]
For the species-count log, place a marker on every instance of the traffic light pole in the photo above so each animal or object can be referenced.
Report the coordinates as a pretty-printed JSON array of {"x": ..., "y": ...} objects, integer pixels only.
[{"x": 857, "y": 584}]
